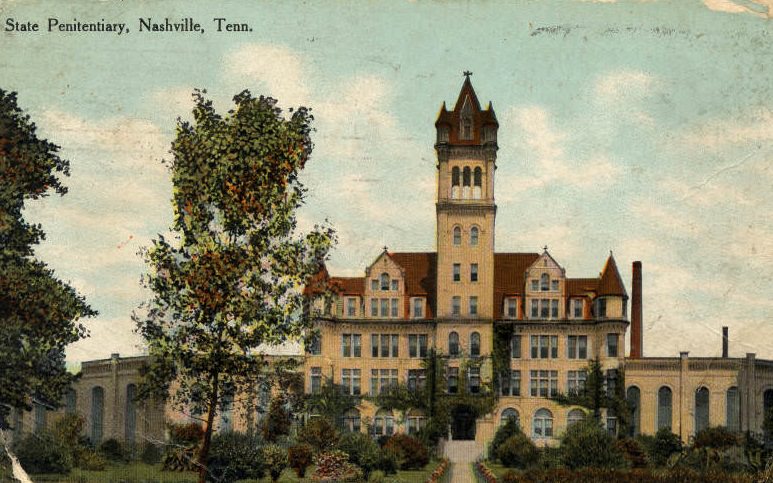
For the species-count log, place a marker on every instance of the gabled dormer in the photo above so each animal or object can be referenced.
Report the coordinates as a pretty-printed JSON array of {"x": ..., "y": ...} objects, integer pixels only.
[
  {"x": 384, "y": 288},
  {"x": 467, "y": 123},
  {"x": 545, "y": 288}
]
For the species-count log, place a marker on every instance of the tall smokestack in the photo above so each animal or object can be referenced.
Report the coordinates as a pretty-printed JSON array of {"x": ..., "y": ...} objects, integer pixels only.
[
  {"x": 724, "y": 342},
  {"x": 636, "y": 313}
]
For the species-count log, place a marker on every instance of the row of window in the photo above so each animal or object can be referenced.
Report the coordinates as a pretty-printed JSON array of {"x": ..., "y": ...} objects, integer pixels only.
[
  {"x": 546, "y": 346},
  {"x": 542, "y": 421},
  {"x": 472, "y": 306},
  {"x": 542, "y": 383},
  {"x": 381, "y": 345},
  {"x": 467, "y": 189},
  {"x": 383, "y": 424},
  {"x": 474, "y": 236},
  {"x": 384, "y": 283},
  {"x": 545, "y": 284},
  {"x": 380, "y": 380},
  {"x": 385, "y": 307},
  {"x": 456, "y": 273}
]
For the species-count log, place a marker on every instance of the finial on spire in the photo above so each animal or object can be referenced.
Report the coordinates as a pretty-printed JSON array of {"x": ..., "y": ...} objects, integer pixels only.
[
  {"x": 545, "y": 248},
  {"x": 467, "y": 73},
  {"x": 385, "y": 248}
]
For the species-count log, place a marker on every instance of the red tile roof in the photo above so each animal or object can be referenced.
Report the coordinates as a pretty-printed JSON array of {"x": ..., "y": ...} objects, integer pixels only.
[
  {"x": 577, "y": 287},
  {"x": 611, "y": 283},
  {"x": 420, "y": 276},
  {"x": 509, "y": 276},
  {"x": 348, "y": 285}
]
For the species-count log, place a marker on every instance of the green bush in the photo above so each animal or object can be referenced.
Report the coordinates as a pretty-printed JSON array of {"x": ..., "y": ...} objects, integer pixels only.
[
  {"x": 90, "y": 460},
  {"x": 320, "y": 434},
  {"x": 275, "y": 460},
  {"x": 235, "y": 456},
  {"x": 633, "y": 452},
  {"x": 334, "y": 466},
  {"x": 585, "y": 444},
  {"x": 505, "y": 431},
  {"x": 278, "y": 419},
  {"x": 186, "y": 433},
  {"x": 112, "y": 450},
  {"x": 151, "y": 454},
  {"x": 355, "y": 445},
  {"x": 717, "y": 437},
  {"x": 377, "y": 476},
  {"x": 43, "y": 453},
  {"x": 374, "y": 458},
  {"x": 181, "y": 454},
  {"x": 411, "y": 453},
  {"x": 300, "y": 457},
  {"x": 660, "y": 447},
  {"x": 510, "y": 476},
  {"x": 550, "y": 458},
  {"x": 517, "y": 451}
]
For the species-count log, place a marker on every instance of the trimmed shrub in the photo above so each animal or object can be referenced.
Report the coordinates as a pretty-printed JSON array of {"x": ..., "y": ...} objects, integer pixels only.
[
  {"x": 660, "y": 447},
  {"x": 717, "y": 437},
  {"x": 42, "y": 453},
  {"x": 633, "y": 452},
  {"x": 320, "y": 434},
  {"x": 550, "y": 458},
  {"x": 151, "y": 454},
  {"x": 411, "y": 453},
  {"x": 355, "y": 445},
  {"x": 277, "y": 421},
  {"x": 112, "y": 450},
  {"x": 518, "y": 451},
  {"x": 235, "y": 456},
  {"x": 585, "y": 444},
  {"x": 510, "y": 428},
  {"x": 374, "y": 458},
  {"x": 334, "y": 466},
  {"x": 274, "y": 460},
  {"x": 90, "y": 460},
  {"x": 300, "y": 457}
]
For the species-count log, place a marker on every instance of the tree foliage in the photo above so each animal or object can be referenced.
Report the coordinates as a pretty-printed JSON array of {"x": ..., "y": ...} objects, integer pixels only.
[
  {"x": 231, "y": 277},
  {"x": 39, "y": 314}
]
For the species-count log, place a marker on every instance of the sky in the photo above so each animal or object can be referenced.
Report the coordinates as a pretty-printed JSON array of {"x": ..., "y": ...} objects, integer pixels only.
[{"x": 644, "y": 128}]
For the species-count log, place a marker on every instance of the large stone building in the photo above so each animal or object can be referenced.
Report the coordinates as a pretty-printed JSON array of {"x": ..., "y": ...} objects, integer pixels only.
[{"x": 461, "y": 302}]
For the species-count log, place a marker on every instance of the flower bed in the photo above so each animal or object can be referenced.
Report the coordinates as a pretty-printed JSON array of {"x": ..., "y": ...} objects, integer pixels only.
[
  {"x": 485, "y": 472},
  {"x": 439, "y": 471}
]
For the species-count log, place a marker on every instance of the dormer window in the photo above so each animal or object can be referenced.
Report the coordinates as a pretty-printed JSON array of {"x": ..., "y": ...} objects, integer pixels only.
[
  {"x": 384, "y": 281},
  {"x": 466, "y": 128},
  {"x": 544, "y": 282}
]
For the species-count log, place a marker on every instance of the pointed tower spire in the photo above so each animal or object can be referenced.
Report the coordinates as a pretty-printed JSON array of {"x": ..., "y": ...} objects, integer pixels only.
[
  {"x": 468, "y": 123},
  {"x": 611, "y": 283}
]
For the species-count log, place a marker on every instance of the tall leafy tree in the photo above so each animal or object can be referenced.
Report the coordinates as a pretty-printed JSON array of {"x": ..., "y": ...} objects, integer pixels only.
[
  {"x": 230, "y": 278},
  {"x": 39, "y": 314}
]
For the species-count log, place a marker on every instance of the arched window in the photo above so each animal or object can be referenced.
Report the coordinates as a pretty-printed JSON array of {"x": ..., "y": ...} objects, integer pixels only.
[
  {"x": 453, "y": 344},
  {"x": 130, "y": 421},
  {"x": 97, "y": 414},
  {"x": 664, "y": 407},
  {"x": 455, "y": 182},
  {"x": 510, "y": 413},
  {"x": 383, "y": 423},
  {"x": 351, "y": 421},
  {"x": 542, "y": 426},
  {"x": 633, "y": 396},
  {"x": 733, "y": 413},
  {"x": 544, "y": 284},
  {"x": 384, "y": 281},
  {"x": 701, "y": 409},
  {"x": 457, "y": 235},
  {"x": 466, "y": 182},
  {"x": 40, "y": 416},
  {"x": 477, "y": 179},
  {"x": 474, "y": 344},
  {"x": 70, "y": 401},
  {"x": 474, "y": 234},
  {"x": 574, "y": 416}
]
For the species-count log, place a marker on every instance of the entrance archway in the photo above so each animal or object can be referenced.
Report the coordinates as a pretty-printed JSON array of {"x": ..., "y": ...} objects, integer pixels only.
[{"x": 462, "y": 423}]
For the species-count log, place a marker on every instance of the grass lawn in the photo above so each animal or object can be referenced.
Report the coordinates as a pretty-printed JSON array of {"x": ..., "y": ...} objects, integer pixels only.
[
  {"x": 142, "y": 473},
  {"x": 497, "y": 468}
]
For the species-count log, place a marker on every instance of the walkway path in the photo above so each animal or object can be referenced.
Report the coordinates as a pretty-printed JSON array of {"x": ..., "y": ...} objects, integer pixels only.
[{"x": 461, "y": 454}]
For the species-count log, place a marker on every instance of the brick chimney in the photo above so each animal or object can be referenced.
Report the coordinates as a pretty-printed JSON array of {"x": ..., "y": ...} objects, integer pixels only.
[
  {"x": 724, "y": 343},
  {"x": 636, "y": 313}
]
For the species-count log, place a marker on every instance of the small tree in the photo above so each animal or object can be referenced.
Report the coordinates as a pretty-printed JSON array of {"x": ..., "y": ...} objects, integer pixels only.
[
  {"x": 231, "y": 278},
  {"x": 278, "y": 420},
  {"x": 585, "y": 444}
]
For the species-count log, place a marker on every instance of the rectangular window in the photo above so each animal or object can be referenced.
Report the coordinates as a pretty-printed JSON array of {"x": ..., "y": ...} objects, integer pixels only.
[
  {"x": 534, "y": 308},
  {"x": 418, "y": 308},
  {"x": 515, "y": 347},
  {"x": 601, "y": 308},
  {"x": 473, "y": 375},
  {"x": 374, "y": 285},
  {"x": 351, "y": 309},
  {"x": 417, "y": 378},
  {"x": 374, "y": 338},
  {"x": 576, "y": 381},
  {"x": 510, "y": 383},
  {"x": 535, "y": 285},
  {"x": 453, "y": 380},
  {"x": 356, "y": 345},
  {"x": 512, "y": 307},
  {"x": 395, "y": 285},
  {"x": 544, "y": 347},
  {"x": 554, "y": 285},
  {"x": 423, "y": 345},
  {"x": 612, "y": 345},
  {"x": 457, "y": 272},
  {"x": 384, "y": 345},
  {"x": 456, "y": 305},
  {"x": 544, "y": 309},
  {"x": 577, "y": 347},
  {"x": 316, "y": 380},
  {"x": 473, "y": 272},
  {"x": 394, "y": 307},
  {"x": 554, "y": 308},
  {"x": 473, "y": 305},
  {"x": 395, "y": 345},
  {"x": 374, "y": 307},
  {"x": 374, "y": 382},
  {"x": 535, "y": 347},
  {"x": 413, "y": 345},
  {"x": 554, "y": 347},
  {"x": 385, "y": 307},
  {"x": 543, "y": 383},
  {"x": 350, "y": 381},
  {"x": 577, "y": 308},
  {"x": 346, "y": 345},
  {"x": 381, "y": 380},
  {"x": 315, "y": 345}
]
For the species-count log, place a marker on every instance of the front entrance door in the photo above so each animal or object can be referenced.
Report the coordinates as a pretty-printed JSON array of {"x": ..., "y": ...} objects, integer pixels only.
[{"x": 463, "y": 424}]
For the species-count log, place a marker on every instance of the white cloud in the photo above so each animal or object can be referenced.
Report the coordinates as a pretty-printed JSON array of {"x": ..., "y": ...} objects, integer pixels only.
[
  {"x": 622, "y": 95},
  {"x": 750, "y": 129},
  {"x": 762, "y": 8}
]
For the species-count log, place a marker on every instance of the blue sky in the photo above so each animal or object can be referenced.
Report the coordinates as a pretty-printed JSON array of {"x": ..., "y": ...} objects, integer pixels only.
[{"x": 645, "y": 128}]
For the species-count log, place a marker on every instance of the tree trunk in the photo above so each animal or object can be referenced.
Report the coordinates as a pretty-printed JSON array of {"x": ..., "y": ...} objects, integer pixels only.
[{"x": 204, "y": 451}]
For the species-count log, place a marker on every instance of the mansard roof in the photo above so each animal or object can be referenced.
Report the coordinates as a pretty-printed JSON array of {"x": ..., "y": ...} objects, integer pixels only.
[
  {"x": 420, "y": 275},
  {"x": 348, "y": 285},
  {"x": 509, "y": 272},
  {"x": 480, "y": 117},
  {"x": 610, "y": 282}
]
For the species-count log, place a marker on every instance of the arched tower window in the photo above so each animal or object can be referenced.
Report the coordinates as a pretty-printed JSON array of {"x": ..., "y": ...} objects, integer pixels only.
[
  {"x": 510, "y": 413},
  {"x": 474, "y": 234},
  {"x": 664, "y": 407},
  {"x": 457, "y": 235},
  {"x": 633, "y": 396},
  {"x": 475, "y": 344},
  {"x": 542, "y": 426},
  {"x": 97, "y": 414},
  {"x": 466, "y": 182},
  {"x": 130, "y": 421},
  {"x": 477, "y": 189},
  {"x": 544, "y": 282},
  {"x": 733, "y": 413},
  {"x": 701, "y": 409},
  {"x": 384, "y": 281},
  {"x": 453, "y": 344},
  {"x": 455, "y": 182}
]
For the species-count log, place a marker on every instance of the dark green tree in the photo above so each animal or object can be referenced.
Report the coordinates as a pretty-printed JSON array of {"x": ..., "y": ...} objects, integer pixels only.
[
  {"x": 231, "y": 277},
  {"x": 39, "y": 314}
]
